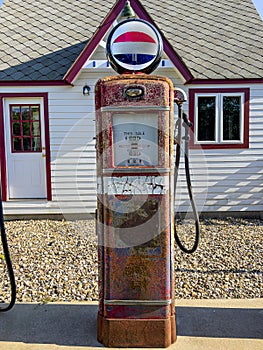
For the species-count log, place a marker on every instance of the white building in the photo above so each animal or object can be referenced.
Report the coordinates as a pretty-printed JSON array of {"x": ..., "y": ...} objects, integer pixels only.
[{"x": 49, "y": 50}]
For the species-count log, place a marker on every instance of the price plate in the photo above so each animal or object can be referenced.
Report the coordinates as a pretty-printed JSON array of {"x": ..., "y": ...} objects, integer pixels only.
[{"x": 135, "y": 139}]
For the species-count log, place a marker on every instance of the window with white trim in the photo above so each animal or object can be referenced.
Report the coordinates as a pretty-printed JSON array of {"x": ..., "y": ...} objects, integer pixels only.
[{"x": 220, "y": 117}]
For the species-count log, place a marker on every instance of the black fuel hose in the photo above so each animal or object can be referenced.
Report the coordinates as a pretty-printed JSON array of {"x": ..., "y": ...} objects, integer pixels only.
[
  {"x": 8, "y": 261},
  {"x": 186, "y": 124}
]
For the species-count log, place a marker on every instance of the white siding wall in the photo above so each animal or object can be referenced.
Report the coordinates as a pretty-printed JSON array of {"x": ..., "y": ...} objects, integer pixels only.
[
  {"x": 223, "y": 180},
  {"x": 72, "y": 130}
]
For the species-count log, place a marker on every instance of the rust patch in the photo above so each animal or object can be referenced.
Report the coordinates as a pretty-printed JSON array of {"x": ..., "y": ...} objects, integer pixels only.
[{"x": 138, "y": 274}]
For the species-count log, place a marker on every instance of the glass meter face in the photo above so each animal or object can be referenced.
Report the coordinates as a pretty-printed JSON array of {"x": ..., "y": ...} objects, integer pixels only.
[{"x": 135, "y": 139}]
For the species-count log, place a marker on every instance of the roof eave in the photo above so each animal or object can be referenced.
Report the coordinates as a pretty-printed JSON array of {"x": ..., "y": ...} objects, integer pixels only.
[
  {"x": 34, "y": 83},
  {"x": 236, "y": 81}
]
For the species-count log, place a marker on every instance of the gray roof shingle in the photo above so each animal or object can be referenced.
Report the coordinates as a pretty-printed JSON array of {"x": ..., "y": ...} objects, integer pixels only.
[
  {"x": 224, "y": 34},
  {"x": 216, "y": 39}
]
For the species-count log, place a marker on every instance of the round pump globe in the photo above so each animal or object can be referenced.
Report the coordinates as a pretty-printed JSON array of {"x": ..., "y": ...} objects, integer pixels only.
[{"x": 133, "y": 46}]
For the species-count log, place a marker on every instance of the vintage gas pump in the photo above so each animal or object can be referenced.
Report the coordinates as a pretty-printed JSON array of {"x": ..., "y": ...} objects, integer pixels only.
[{"x": 135, "y": 212}]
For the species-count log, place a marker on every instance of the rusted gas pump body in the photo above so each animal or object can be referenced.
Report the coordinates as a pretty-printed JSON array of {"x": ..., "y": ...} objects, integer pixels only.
[{"x": 134, "y": 121}]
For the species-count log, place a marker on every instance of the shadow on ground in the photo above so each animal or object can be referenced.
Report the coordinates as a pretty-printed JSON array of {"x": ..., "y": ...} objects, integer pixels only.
[
  {"x": 75, "y": 325},
  {"x": 220, "y": 322}
]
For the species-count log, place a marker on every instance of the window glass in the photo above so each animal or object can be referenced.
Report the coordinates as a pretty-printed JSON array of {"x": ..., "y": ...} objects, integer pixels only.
[
  {"x": 25, "y": 128},
  {"x": 35, "y": 129},
  {"x": 17, "y": 144},
  {"x": 231, "y": 117},
  {"x": 35, "y": 112},
  {"x": 26, "y": 144},
  {"x": 25, "y": 112},
  {"x": 220, "y": 117},
  {"x": 36, "y": 144},
  {"x": 15, "y": 112},
  {"x": 206, "y": 118},
  {"x": 16, "y": 129}
]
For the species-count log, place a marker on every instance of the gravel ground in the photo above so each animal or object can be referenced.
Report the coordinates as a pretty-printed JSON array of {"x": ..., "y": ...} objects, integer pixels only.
[{"x": 57, "y": 261}]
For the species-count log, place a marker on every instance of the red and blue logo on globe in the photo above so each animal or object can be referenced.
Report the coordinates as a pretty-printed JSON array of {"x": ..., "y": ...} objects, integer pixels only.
[{"x": 134, "y": 45}]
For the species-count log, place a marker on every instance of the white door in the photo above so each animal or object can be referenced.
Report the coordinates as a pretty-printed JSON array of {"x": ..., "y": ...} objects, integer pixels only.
[{"x": 25, "y": 148}]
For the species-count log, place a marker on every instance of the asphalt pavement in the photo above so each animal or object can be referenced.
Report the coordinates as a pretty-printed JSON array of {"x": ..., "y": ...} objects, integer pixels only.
[{"x": 219, "y": 324}]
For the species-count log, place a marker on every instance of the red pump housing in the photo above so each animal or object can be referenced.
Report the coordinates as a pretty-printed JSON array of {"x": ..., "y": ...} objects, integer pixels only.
[{"x": 135, "y": 212}]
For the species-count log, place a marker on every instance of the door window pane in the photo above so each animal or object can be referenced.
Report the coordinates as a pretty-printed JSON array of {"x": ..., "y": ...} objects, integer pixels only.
[
  {"x": 25, "y": 113},
  {"x": 17, "y": 146},
  {"x": 35, "y": 112},
  {"x": 206, "y": 118},
  {"x": 26, "y": 144},
  {"x": 231, "y": 117},
  {"x": 25, "y": 128},
  {"x": 15, "y": 113},
  {"x": 35, "y": 129},
  {"x": 36, "y": 145},
  {"x": 16, "y": 129}
]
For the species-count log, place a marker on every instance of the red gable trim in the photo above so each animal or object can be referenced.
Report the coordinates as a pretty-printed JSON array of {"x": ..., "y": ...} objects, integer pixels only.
[
  {"x": 33, "y": 83},
  {"x": 168, "y": 49},
  {"x": 94, "y": 42},
  {"x": 225, "y": 81},
  {"x": 104, "y": 27}
]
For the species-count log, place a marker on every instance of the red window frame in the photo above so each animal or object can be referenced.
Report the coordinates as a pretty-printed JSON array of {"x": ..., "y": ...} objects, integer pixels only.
[
  {"x": 21, "y": 121},
  {"x": 246, "y": 92}
]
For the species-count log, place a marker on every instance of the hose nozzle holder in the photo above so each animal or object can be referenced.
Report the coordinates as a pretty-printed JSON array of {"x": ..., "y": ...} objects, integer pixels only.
[{"x": 179, "y": 96}]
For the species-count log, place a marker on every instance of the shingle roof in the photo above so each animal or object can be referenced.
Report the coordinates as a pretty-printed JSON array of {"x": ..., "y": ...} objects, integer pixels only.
[{"x": 216, "y": 39}]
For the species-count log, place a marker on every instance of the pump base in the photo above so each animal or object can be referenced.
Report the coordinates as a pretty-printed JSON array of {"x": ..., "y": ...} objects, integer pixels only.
[{"x": 140, "y": 333}]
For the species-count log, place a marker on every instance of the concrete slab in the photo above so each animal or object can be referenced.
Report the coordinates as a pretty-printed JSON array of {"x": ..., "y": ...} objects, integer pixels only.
[{"x": 202, "y": 324}]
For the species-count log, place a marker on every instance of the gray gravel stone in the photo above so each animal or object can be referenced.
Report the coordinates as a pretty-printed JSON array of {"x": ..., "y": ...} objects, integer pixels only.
[{"x": 57, "y": 261}]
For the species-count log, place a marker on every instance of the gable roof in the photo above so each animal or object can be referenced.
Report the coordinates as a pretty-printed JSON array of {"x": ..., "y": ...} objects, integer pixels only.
[{"x": 45, "y": 40}]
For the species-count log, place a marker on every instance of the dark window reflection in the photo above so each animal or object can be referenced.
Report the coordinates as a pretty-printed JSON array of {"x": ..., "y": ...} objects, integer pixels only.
[
  {"x": 206, "y": 118},
  {"x": 231, "y": 117}
]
